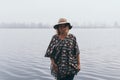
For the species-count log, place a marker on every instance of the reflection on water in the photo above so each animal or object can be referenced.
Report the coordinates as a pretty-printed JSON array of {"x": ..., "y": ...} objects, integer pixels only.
[{"x": 22, "y": 54}]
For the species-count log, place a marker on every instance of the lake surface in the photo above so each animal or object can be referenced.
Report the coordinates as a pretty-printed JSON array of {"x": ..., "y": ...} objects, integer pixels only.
[{"x": 22, "y": 54}]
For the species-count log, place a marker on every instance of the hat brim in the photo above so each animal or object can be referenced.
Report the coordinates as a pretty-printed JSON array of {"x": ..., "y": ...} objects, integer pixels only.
[{"x": 57, "y": 25}]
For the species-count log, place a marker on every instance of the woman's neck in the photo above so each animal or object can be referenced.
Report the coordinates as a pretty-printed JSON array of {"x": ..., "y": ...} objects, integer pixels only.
[{"x": 62, "y": 36}]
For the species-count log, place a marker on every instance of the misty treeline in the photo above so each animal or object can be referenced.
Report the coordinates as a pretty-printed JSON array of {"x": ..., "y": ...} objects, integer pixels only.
[
  {"x": 23, "y": 25},
  {"x": 40, "y": 25}
]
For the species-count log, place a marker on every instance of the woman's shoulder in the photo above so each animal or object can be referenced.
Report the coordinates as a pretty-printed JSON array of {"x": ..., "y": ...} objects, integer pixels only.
[
  {"x": 72, "y": 35},
  {"x": 54, "y": 36}
]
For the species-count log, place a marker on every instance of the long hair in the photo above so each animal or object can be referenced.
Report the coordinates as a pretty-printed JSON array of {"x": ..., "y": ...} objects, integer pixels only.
[{"x": 58, "y": 32}]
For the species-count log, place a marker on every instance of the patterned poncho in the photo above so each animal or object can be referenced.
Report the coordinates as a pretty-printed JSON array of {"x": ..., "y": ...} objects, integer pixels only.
[{"x": 64, "y": 52}]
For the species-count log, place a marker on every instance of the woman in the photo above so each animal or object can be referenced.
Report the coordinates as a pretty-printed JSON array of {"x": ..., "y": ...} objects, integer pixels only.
[{"x": 63, "y": 52}]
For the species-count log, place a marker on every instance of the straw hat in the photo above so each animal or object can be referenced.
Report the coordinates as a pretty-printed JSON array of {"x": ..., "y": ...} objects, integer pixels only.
[{"x": 62, "y": 21}]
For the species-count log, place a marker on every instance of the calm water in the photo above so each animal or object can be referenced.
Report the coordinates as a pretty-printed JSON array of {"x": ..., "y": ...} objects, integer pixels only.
[{"x": 22, "y": 54}]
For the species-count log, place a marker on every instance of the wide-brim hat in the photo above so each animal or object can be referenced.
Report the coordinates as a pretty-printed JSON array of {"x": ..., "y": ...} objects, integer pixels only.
[{"x": 62, "y": 21}]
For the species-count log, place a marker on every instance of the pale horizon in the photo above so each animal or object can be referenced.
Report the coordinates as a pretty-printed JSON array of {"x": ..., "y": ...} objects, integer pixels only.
[{"x": 78, "y": 12}]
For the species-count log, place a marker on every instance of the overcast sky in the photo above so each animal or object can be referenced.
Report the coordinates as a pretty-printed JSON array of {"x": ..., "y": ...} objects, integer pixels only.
[{"x": 49, "y": 11}]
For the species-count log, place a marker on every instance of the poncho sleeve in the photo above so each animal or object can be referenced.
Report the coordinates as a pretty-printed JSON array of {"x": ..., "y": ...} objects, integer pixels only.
[
  {"x": 77, "y": 51},
  {"x": 50, "y": 49}
]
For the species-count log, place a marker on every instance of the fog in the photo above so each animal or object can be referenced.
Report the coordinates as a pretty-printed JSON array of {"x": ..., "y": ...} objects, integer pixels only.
[{"x": 78, "y": 12}]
